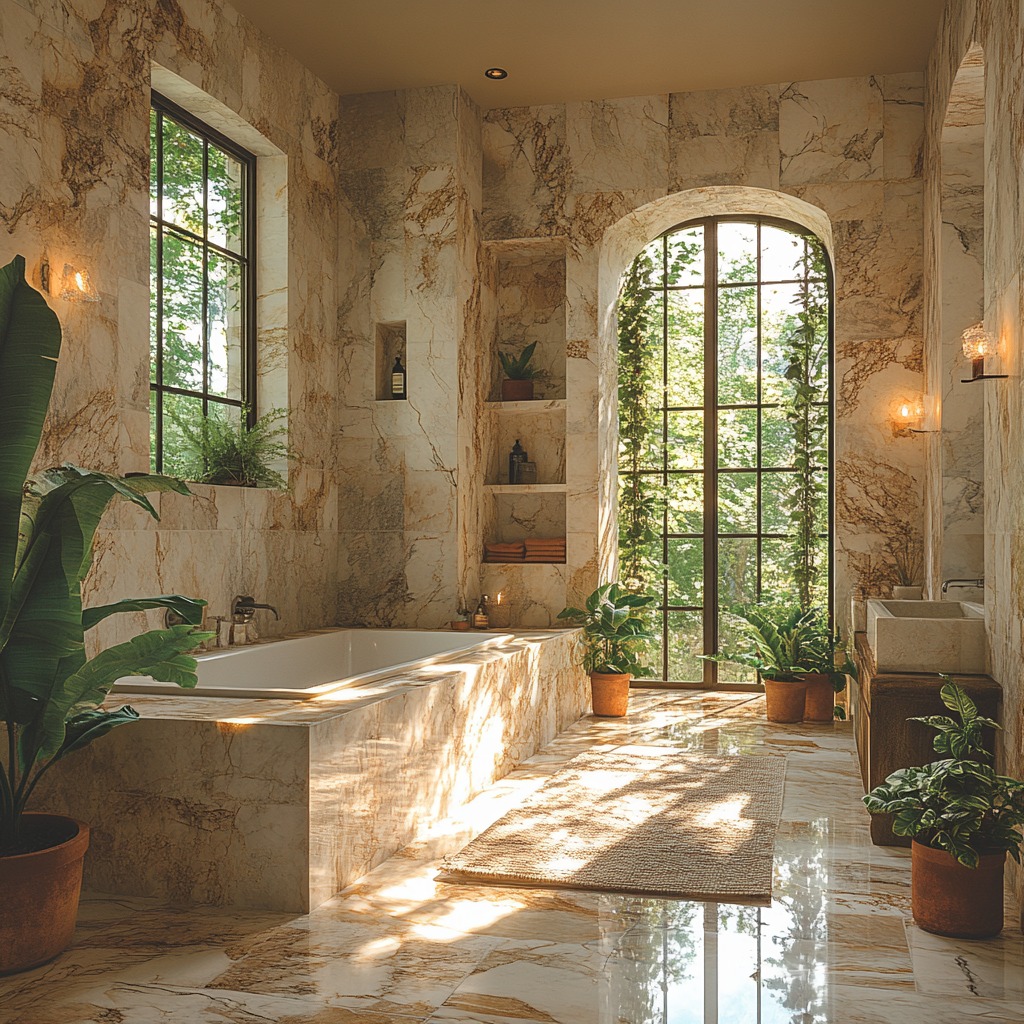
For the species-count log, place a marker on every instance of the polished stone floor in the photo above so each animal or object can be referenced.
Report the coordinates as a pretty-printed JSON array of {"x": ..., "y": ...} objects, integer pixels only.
[{"x": 836, "y": 946}]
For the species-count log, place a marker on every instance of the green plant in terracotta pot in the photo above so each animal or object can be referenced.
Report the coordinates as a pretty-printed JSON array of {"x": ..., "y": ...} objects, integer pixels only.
[
  {"x": 612, "y": 643},
  {"x": 782, "y": 644},
  {"x": 825, "y": 665},
  {"x": 51, "y": 694},
  {"x": 963, "y": 817},
  {"x": 519, "y": 375}
]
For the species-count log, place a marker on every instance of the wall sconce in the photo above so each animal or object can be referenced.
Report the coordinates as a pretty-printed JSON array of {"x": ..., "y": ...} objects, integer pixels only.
[
  {"x": 977, "y": 344},
  {"x": 75, "y": 284},
  {"x": 917, "y": 415}
]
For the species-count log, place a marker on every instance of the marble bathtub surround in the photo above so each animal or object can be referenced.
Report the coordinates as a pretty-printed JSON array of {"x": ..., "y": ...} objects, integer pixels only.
[
  {"x": 278, "y": 804},
  {"x": 398, "y": 946}
]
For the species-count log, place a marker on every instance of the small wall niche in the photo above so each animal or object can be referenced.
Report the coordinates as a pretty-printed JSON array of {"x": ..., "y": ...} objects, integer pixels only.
[{"x": 391, "y": 345}]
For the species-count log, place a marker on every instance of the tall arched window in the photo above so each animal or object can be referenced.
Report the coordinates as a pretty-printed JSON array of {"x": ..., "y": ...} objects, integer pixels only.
[{"x": 725, "y": 427}]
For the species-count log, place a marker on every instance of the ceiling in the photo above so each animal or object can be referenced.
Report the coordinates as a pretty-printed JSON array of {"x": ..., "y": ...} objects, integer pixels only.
[{"x": 558, "y": 50}]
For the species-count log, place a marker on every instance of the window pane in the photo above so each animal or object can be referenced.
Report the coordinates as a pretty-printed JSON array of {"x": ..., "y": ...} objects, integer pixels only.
[
  {"x": 686, "y": 257},
  {"x": 225, "y": 321},
  {"x": 737, "y": 251},
  {"x": 686, "y": 571},
  {"x": 778, "y": 560},
  {"x": 182, "y": 426},
  {"x": 729, "y": 639},
  {"x": 778, "y": 449},
  {"x": 685, "y": 341},
  {"x": 685, "y": 440},
  {"x": 737, "y": 571},
  {"x": 154, "y": 160},
  {"x": 225, "y": 204},
  {"x": 154, "y": 298},
  {"x": 686, "y": 503},
  {"x": 781, "y": 251},
  {"x": 737, "y": 438},
  {"x": 685, "y": 643},
  {"x": 182, "y": 312},
  {"x": 737, "y": 346},
  {"x": 782, "y": 334},
  {"x": 183, "y": 177},
  {"x": 776, "y": 502},
  {"x": 737, "y": 503},
  {"x": 153, "y": 438}
]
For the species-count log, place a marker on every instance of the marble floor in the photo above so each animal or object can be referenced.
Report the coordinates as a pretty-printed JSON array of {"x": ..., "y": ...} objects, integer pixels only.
[{"x": 836, "y": 946}]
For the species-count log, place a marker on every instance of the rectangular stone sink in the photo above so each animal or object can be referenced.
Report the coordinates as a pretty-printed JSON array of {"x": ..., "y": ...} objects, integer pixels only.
[{"x": 927, "y": 636}]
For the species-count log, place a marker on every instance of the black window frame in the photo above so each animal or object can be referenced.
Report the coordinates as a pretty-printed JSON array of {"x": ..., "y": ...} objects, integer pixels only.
[
  {"x": 164, "y": 107},
  {"x": 710, "y": 470}
]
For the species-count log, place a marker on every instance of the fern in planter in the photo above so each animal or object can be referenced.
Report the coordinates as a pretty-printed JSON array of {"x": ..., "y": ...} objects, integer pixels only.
[{"x": 219, "y": 451}]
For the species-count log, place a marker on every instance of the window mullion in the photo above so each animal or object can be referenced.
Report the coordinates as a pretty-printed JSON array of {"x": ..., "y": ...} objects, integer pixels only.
[{"x": 710, "y": 449}]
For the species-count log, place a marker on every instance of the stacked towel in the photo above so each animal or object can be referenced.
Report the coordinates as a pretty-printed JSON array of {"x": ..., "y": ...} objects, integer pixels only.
[
  {"x": 539, "y": 549},
  {"x": 500, "y": 552}
]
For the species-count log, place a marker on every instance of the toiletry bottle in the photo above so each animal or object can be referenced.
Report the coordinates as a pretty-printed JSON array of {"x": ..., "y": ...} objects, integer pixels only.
[
  {"x": 398, "y": 379},
  {"x": 480, "y": 620},
  {"x": 516, "y": 458}
]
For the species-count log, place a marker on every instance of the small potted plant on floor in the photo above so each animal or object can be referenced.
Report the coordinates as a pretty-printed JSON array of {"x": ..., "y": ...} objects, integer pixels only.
[
  {"x": 611, "y": 644},
  {"x": 519, "y": 375},
  {"x": 50, "y": 692},
  {"x": 964, "y": 819},
  {"x": 793, "y": 650}
]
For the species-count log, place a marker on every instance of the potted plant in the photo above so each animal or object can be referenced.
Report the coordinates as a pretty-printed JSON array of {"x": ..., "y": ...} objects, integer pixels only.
[
  {"x": 518, "y": 385},
  {"x": 219, "y": 451},
  {"x": 611, "y": 644},
  {"x": 782, "y": 644},
  {"x": 825, "y": 666},
  {"x": 50, "y": 692},
  {"x": 964, "y": 819}
]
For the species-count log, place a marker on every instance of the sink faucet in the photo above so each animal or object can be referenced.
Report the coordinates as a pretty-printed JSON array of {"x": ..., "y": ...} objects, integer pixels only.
[
  {"x": 244, "y": 608},
  {"x": 946, "y": 584}
]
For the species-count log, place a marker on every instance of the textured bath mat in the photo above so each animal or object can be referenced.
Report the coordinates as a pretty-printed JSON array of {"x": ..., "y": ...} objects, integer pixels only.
[{"x": 695, "y": 826}]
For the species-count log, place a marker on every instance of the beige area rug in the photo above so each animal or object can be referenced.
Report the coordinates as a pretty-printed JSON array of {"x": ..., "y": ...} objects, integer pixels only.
[{"x": 696, "y": 826}]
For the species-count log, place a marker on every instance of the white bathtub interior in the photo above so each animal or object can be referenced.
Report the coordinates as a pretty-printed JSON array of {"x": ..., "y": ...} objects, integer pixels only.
[{"x": 310, "y": 666}]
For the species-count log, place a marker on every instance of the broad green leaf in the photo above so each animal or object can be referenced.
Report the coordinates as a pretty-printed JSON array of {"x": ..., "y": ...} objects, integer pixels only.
[
  {"x": 956, "y": 700},
  {"x": 30, "y": 340},
  {"x": 83, "y": 728},
  {"x": 190, "y": 609}
]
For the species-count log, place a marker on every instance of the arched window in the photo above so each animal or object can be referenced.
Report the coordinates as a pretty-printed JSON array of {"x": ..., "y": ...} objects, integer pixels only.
[{"x": 725, "y": 427}]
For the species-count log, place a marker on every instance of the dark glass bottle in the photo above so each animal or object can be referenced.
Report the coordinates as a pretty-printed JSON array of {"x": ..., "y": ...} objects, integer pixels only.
[
  {"x": 516, "y": 458},
  {"x": 398, "y": 379}
]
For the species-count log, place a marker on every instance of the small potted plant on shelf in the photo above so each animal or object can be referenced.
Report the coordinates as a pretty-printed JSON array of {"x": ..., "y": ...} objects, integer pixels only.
[
  {"x": 963, "y": 818},
  {"x": 519, "y": 375},
  {"x": 50, "y": 693},
  {"x": 219, "y": 451},
  {"x": 611, "y": 644},
  {"x": 783, "y": 644}
]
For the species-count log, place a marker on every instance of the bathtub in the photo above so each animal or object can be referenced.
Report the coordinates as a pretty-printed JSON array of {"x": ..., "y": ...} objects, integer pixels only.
[{"x": 309, "y": 666}]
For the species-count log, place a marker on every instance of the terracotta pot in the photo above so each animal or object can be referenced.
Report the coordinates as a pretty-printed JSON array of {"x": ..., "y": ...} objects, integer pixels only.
[
  {"x": 609, "y": 693},
  {"x": 949, "y": 899},
  {"x": 517, "y": 390},
  {"x": 784, "y": 701},
  {"x": 820, "y": 702},
  {"x": 39, "y": 895}
]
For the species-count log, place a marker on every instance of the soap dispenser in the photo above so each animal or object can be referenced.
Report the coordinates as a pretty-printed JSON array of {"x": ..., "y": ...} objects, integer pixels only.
[{"x": 516, "y": 458}]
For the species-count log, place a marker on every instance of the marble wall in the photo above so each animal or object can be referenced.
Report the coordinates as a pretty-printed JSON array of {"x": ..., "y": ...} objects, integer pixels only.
[
  {"x": 74, "y": 146},
  {"x": 997, "y": 27}
]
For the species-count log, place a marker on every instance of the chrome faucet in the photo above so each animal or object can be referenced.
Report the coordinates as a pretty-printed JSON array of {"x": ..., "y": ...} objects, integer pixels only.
[
  {"x": 946, "y": 584},
  {"x": 244, "y": 608}
]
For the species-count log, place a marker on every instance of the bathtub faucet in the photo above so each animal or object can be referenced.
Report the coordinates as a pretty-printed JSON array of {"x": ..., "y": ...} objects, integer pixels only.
[
  {"x": 946, "y": 584},
  {"x": 244, "y": 608}
]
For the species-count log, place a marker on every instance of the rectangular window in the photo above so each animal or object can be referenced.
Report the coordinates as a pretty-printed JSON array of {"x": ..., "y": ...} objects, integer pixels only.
[{"x": 203, "y": 288}]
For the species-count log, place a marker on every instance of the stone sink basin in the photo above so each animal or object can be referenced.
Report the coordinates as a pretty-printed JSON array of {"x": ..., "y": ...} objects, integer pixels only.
[{"x": 927, "y": 636}]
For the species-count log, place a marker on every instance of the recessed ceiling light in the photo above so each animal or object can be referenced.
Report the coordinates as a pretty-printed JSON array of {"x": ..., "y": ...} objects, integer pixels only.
[{"x": 496, "y": 73}]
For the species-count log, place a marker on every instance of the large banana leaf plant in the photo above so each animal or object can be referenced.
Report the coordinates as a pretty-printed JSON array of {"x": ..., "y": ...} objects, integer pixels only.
[{"x": 50, "y": 693}]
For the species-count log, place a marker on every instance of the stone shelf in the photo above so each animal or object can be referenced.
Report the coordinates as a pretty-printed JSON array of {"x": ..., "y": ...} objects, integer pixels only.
[
  {"x": 536, "y": 405},
  {"x": 525, "y": 488}
]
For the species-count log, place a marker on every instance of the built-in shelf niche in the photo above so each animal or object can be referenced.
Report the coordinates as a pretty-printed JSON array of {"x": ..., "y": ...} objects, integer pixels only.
[
  {"x": 518, "y": 513},
  {"x": 542, "y": 434},
  {"x": 390, "y": 345},
  {"x": 527, "y": 276}
]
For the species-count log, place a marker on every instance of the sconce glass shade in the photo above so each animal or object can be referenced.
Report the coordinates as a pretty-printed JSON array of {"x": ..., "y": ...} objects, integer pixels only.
[
  {"x": 977, "y": 342},
  {"x": 76, "y": 286}
]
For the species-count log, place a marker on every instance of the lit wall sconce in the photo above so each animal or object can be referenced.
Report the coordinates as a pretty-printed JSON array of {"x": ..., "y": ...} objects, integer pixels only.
[
  {"x": 918, "y": 415},
  {"x": 75, "y": 284},
  {"x": 977, "y": 345}
]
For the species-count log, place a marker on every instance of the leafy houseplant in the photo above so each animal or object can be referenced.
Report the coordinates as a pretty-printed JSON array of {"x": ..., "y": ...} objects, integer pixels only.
[
  {"x": 612, "y": 643},
  {"x": 223, "y": 452},
  {"x": 50, "y": 693},
  {"x": 963, "y": 817},
  {"x": 785, "y": 645},
  {"x": 519, "y": 374}
]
